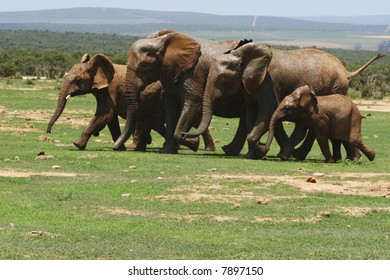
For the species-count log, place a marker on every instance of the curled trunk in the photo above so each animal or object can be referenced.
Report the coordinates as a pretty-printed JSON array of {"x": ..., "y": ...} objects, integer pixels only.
[
  {"x": 134, "y": 86},
  {"x": 265, "y": 148},
  {"x": 207, "y": 113},
  {"x": 60, "y": 108}
]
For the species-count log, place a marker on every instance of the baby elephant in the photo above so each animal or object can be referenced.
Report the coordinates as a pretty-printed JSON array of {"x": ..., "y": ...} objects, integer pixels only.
[{"x": 333, "y": 117}]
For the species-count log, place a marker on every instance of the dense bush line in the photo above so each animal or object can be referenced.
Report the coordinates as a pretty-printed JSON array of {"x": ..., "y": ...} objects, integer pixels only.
[{"x": 51, "y": 54}]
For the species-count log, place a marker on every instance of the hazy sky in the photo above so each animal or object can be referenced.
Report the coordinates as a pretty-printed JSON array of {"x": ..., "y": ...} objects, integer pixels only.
[{"x": 222, "y": 7}]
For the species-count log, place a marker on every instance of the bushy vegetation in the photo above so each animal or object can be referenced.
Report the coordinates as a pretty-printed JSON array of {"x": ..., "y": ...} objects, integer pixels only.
[{"x": 51, "y": 54}]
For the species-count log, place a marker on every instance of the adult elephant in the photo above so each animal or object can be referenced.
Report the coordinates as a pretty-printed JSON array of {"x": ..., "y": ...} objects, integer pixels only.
[
  {"x": 182, "y": 64},
  {"x": 105, "y": 80},
  {"x": 266, "y": 75}
]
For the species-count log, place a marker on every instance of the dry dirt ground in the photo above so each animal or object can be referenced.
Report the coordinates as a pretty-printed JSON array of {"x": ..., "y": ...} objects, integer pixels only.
[{"x": 358, "y": 184}]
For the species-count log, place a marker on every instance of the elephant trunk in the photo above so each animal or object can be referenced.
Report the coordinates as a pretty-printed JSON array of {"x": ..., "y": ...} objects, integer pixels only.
[
  {"x": 207, "y": 113},
  {"x": 62, "y": 99},
  {"x": 133, "y": 89},
  {"x": 265, "y": 148}
]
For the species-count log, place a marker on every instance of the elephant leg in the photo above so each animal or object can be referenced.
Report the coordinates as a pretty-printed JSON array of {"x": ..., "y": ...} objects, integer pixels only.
[
  {"x": 208, "y": 141},
  {"x": 115, "y": 130},
  {"x": 336, "y": 144},
  {"x": 141, "y": 137},
  {"x": 96, "y": 124},
  {"x": 296, "y": 136},
  {"x": 184, "y": 124},
  {"x": 238, "y": 142},
  {"x": 143, "y": 140},
  {"x": 352, "y": 152},
  {"x": 369, "y": 153},
  {"x": 301, "y": 152},
  {"x": 324, "y": 145},
  {"x": 282, "y": 139},
  {"x": 259, "y": 110},
  {"x": 252, "y": 125},
  {"x": 160, "y": 128},
  {"x": 253, "y": 138},
  {"x": 172, "y": 113}
]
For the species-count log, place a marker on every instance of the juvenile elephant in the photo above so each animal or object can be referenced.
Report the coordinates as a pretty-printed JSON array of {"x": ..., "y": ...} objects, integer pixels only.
[
  {"x": 265, "y": 76},
  {"x": 333, "y": 117},
  {"x": 105, "y": 80},
  {"x": 182, "y": 65}
]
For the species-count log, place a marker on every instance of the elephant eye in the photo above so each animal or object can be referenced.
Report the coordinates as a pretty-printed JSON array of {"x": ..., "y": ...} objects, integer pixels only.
[{"x": 77, "y": 80}]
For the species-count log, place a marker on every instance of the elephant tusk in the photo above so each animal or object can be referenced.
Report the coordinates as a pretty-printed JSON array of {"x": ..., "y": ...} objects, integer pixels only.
[{"x": 67, "y": 97}]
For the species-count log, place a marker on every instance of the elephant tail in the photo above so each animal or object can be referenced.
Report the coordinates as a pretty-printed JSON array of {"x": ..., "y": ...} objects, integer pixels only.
[{"x": 357, "y": 72}]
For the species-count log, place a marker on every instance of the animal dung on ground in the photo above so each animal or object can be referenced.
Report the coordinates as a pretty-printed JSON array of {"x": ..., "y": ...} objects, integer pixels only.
[
  {"x": 311, "y": 179},
  {"x": 263, "y": 201}
]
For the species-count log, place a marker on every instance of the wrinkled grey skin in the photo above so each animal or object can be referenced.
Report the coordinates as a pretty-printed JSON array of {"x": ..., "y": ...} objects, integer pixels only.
[
  {"x": 182, "y": 64},
  {"x": 106, "y": 81},
  {"x": 265, "y": 76},
  {"x": 333, "y": 117}
]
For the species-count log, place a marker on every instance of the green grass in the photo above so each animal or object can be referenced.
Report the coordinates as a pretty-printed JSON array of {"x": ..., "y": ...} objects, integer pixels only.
[{"x": 204, "y": 205}]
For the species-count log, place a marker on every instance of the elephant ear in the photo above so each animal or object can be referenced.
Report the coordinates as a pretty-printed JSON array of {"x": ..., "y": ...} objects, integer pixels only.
[
  {"x": 181, "y": 54},
  {"x": 313, "y": 97},
  {"x": 103, "y": 71},
  {"x": 255, "y": 59},
  {"x": 86, "y": 57},
  {"x": 160, "y": 33}
]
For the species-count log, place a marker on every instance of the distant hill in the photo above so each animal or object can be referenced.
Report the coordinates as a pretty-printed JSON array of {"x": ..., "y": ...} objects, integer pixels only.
[
  {"x": 141, "y": 22},
  {"x": 361, "y": 20}
]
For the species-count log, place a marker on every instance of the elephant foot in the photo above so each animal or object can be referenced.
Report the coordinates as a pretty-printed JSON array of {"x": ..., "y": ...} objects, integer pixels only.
[
  {"x": 79, "y": 146},
  {"x": 119, "y": 148},
  {"x": 355, "y": 156},
  {"x": 297, "y": 154},
  {"x": 261, "y": 150},
  {"x": 283, "y": 156},
  {"x": 133, "y": 145},
  {"x": 231, "y": 150},
  {"x": 210, "y": 148},
  {"x": 193, "y": 144},
  {"x": 169, "y": 149},
  {"x": 140, "y": 147},
  {"x": 370, "y": 155},
  {"x": 252, "y": 155}
]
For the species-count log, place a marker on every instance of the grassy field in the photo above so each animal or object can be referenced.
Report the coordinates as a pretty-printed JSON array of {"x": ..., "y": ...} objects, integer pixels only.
[{"x": 100, "y": 204}]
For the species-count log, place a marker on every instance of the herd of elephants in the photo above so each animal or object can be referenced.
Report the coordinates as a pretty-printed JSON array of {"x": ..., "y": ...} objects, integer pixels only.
[{"x": 173, "y": 82}]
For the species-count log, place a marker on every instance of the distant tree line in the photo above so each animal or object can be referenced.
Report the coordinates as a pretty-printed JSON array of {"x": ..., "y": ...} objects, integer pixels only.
[{"x": 51, "y": 54}]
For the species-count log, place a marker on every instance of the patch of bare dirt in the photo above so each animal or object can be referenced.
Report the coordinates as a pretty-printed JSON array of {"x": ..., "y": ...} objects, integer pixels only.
[
  {"x": 35, "y": 233},
  {"x": 42, "y": 116},
  {"x": 363, "y": 211},
  {"x": 339, "y": 183},
  {"x": 25, "y": 174},
  {"x": 190, "y": 217},
  {"x": 221, "y": 198},
  {"x": 374, "y": 105},
  {"x": 197, "y": 216}
]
